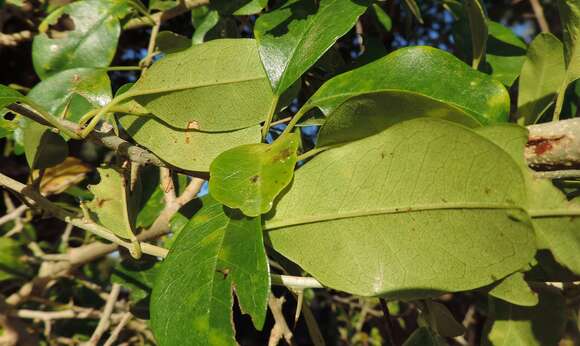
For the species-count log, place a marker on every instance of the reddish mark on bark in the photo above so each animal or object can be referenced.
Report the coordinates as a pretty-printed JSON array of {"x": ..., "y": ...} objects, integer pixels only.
[{"x": 541, "y": 145}]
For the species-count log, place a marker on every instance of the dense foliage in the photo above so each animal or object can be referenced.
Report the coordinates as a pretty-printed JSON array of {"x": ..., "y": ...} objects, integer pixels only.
[{"x": 284, "y": 149}]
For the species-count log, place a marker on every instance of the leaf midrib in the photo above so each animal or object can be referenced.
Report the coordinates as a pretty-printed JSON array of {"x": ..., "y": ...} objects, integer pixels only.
[{"x": 389, "y": 210}]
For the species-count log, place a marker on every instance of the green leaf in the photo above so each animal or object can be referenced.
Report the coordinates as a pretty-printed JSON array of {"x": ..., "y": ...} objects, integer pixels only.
[
  {"x": 42, "y": 147},
  {"x": 422, "y": 70},
  {"x": 73, "y": 92},
  {"x": 295, "y": 35},
  {"x": 203, "y": 22},
  {"x": 170, "y": 42},
  {"x": 479, "y": 32},
  {"x": 542, "y": 74},
  {"x": 570, "y": 16},
  {"x": 541, "y": 325},
  {"x": 424, "y": 337},
  {"x": 91, "y": 42},
  {"x": 192, "y": 296},
  {"x": 115, "y": 206},
  {"x": 412, "y": 6},
  {"x": 557, "y": 222},
  {"x": 239, "y": 7},
  {"x": 9, "y": 96},
  {"x": 514, "y": 289},
  {"x": 442, "y": 321},
  {"x": 250, "y": 176},
  {"x": 367, "y": 114},
  {"x": 437, "y": 190},
  {"x": 190, "y": 150},
  {"x": 382, "y": 17},
  {"x": 11, "y": 264},
  {"x": 216, "y": 86},
  {"x": 505, "y": 54}
]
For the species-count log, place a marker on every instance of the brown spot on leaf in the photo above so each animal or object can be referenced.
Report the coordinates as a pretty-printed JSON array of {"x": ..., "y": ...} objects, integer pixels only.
[
  {"x": 282, "y": 156},
  {"x": 225, "y": 272},
  {"x": 254, "y": 179},
  {"x": 192, "y": 125}
]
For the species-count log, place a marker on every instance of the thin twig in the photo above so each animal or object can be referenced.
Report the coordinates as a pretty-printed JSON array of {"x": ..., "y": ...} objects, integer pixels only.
[
  {"x": 539, "y": 13},
  {"x": 181, "y": 8},
  {"x": 14, "y": 214},
  {"x": 280, "y": 329},
  {"x": 152, "y": 43},
  {"x": 105, "y": 320},
  {"x": 115, "y": 334}
]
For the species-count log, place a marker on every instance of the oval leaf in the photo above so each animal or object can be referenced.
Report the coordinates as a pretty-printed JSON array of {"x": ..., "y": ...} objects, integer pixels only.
[
  {"x": 187, "y": 149},
  {"x": 249, "y": 177},
  {"x": 114, "y": 206},
  {"x": 42, "y": 147},
  {"x": 295, "y": 35},
  {"x": 216, "y": 86},
  {"x": 514, "y": 289},
  {"x": 91, "y": 42},
  {"x": 422, "y": 70},
  {"x": 192, "y": 296},
  {"x": 349, "y": 205}
]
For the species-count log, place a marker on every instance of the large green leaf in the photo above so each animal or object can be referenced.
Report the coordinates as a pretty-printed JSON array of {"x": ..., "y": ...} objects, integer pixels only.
[
  {"x": 505, "y": 54},
  {"x": 514, "y": 289},
  {"x": 11, "y": 263},
  {"x": 73, "y": 92},
  {"x": 191, "y": 150},
  {"x": 422, "y": 207},
  {"x": 541, "y": 325},
  {"x": 114, "y": 205},
  {"x": 295, "y": 35},
  {"x": 216, "y": 86},
  {"x": 542, "y": 74},
  {"x": 422, "y": 70},
  {"x": 239, "y": 7},
  {"x": 218, "y": 251},
  {"x": 367, "y": 114},
  {"x": 250, "y": 176},
  {"x": 91, "y": 42},
  {"x": 479, "y": 32}
]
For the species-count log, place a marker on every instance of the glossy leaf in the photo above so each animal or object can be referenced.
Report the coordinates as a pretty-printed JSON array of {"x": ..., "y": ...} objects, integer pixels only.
[
  {"x": 216, "y": 86},
  {"x": 505, "y": 54},
  {"x": 239, "y": 7},
  {"x": 249, "y": 177},
  {"x": 71, "y": 93},
  {"x": 424, "y": 337},
  {"x": 295, "y": 35},
  {"x": 541, "y": 325},
  {"x": 43, "y": 148},
  {"x": 114, "y": 205},
  {"x": 348, "y": 205},
  {"x": 187, "y": 149},
  {"x": 91, "y": 42},
  {"x": 367, "y": 114},
  {"x": 514, "y": 289},
  {"x": 422, "y": 70},
  {"x": 479, "y": 32},
  {"x": 542, "y": 74},
  {"x": 11, "y": 264},
  {"x": 192, "y": 296}
]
